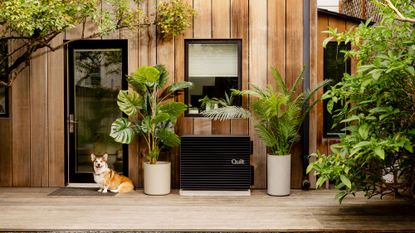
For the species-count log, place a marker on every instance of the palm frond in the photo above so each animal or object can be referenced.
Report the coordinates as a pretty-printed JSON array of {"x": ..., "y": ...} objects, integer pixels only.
[
  {"x": 266, "y": 135},
  {"x": 227, "y": 113},
  {"x": 279, "y": 80},
  {"x": 311, "y": 93},
  {"x": 297, "y": 81}
]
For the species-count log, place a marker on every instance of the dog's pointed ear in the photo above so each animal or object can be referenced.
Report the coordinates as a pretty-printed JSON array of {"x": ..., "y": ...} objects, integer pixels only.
[
  {"x": 105, "y": 156},
  {"x": 93, "y": 157}
]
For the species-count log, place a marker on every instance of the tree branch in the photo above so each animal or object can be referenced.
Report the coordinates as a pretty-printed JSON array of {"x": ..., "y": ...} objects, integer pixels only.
[{"x": 401, "y": 17}]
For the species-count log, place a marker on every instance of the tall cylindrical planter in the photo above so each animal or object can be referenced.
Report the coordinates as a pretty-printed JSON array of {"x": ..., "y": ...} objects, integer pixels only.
[
  {"x": 278, "y": 175},
  {"x": 157, "y": 178}
]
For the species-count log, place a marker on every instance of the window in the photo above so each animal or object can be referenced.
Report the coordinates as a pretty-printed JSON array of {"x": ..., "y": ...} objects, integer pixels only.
[
  {"x": 214, "y": 68},
  {"x": 334, "y": 68},
  {"x": 4, "y": 100}
]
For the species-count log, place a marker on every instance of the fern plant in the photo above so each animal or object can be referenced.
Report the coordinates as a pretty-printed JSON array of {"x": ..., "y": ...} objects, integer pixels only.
[
  {"x": 279, "y": 112},
  {"x": 150, "y": 103}
]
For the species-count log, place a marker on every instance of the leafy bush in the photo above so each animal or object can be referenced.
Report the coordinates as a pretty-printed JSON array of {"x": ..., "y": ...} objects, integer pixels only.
[
  {"x": 375, "y": 154},
  {"x": 173, "y": 17},
  {"x": 152, "y": 107}
]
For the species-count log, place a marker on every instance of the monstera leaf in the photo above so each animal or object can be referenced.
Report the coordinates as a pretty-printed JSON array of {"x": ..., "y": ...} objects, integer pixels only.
[
  {"x": 121, "y": 131},
  {"x": 129, "y": 102},
  {"x": 147, "y": 75}
]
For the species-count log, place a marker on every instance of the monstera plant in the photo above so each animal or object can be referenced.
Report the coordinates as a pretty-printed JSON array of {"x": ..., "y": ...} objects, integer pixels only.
[{"x": 153, "y": 114}]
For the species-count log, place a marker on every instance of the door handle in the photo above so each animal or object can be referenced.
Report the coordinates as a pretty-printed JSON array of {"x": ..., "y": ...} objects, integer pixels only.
[{"x": 72, "y": 122}]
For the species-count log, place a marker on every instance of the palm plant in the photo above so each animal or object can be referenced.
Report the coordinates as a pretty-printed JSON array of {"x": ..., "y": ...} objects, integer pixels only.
[
  {"x": 279, "y": 112},
  {"x": 151, "y": 106}
]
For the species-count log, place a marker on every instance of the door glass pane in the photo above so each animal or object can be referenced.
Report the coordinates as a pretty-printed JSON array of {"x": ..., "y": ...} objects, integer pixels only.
[{"x": 98, "y": 77}]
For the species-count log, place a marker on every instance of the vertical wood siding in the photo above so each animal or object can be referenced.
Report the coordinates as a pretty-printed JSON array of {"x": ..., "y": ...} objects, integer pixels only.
[
  {"x": 271, "y": 33},
  {"x": 322, "y": 143}
]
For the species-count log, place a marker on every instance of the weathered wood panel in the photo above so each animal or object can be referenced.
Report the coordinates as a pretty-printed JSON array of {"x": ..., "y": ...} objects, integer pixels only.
[
  {"x": 20, "y": 116},
  {"x": 56, "y": 114},
  {"x": 6, "y": 172},
  {"x": 133, "y": 63},
  {"x": 312, "y": 133},
  {"x": 39, "y": 120},
  {"x": 184, "y": 124},
  {"x": 276, "y": 38},
  {"x": 221, "y": 29},
  {"x": 240, "y": 29},
  {"x": 294, "y": 65},
  {"x": 258, "y": 70},
  {"x": 202, "y": 27}
]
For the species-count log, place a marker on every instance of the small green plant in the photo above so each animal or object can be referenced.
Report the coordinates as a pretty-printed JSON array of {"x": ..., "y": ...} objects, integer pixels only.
[
  {"x": 207, "y": 102},
  {"x": 151, "y": 104},
  {"x": 279, "y": 113},
  {"x": 173, "y": 17}
]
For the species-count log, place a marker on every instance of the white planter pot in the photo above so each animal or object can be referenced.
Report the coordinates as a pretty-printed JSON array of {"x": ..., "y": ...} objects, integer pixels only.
[
  {"x": 278, "y": 175},
  {"x": 157, "y": 178}
]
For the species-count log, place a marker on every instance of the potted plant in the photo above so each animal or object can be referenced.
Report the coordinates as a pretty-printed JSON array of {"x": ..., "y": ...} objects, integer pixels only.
[
  {"x": 279, "y": 114},
  {"x": 208, "y": 103},
  {"x": 155, "y": 114}
]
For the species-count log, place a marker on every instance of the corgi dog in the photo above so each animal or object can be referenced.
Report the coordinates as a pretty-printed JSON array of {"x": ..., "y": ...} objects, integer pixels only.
[{"x": 108, "y": 179}]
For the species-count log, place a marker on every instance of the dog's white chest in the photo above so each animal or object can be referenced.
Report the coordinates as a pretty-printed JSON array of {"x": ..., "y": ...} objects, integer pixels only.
[{"x": 99, "y": 179}]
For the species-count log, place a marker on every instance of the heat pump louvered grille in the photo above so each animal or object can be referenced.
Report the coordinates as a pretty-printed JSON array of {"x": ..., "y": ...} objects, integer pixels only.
[{"x": 215, "y": 163}]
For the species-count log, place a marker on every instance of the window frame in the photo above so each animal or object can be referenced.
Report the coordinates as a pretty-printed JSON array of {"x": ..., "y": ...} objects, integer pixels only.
[
  {"x": 326, "y": 114},
  {"x": 188, "y": 42}
]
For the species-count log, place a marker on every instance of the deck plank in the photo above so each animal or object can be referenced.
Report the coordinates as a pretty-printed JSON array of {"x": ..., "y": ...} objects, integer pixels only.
[{"x": 32, "y": 209}]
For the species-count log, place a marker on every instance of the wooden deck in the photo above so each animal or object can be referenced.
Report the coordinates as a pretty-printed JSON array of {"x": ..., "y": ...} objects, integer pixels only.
[{"x": 31, "y": 209}]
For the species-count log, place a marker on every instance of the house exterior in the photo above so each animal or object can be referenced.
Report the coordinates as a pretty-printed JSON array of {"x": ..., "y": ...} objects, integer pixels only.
[{"x": 36, "y": 139}]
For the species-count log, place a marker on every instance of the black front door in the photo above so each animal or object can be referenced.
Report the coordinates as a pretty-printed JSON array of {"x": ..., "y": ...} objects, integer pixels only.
[{"x": 96, "y": 71}]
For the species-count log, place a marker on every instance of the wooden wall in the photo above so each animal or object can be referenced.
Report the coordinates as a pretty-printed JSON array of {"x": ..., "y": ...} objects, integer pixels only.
[
  {"x": 32, "y": 139},
  {"x": 342, "y": 24}
]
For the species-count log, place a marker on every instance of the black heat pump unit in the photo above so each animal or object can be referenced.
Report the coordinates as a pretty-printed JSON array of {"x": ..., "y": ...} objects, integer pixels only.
[{"x": 215, "y": 163}]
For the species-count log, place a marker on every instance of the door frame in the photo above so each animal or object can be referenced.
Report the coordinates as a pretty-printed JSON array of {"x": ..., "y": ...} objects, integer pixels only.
[{"x": 70, "y": 175}]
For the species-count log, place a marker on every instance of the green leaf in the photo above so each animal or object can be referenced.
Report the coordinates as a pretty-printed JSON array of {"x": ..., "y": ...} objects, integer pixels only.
[
  {"x": 173, "y": 109},
  {"x": 326, "y": 41},
  {"x": 309, "y": 168},
  {"x": 227, "y": 113},
  {"x": 148, "y": 75},
  {"x": 341, "y": 195},
  {"x": 346, "y": 181},
  {"x": 167, "y": 137},
  {"x": 179, "y": 86},
  {"x": 161, "y": 117},
  {"x": 279, "y": 80},
  {"x": 408, "y": 146},
  {"x": 362, "y": 144},
  {"x": 352, "y": 118},
  {"x": 411, "y": 70},
  {"x": 266, "y": 136},
  {"x": 320, "y": 181},
  {"x": 129, "y": 102},
  {"x": 330, "y": 105},
  {"x": 164, "y": 75},
  {"x": 364, "y": 131},
  {"x": 380, "y": 152},
  {"x": 121, "y": 131}
]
